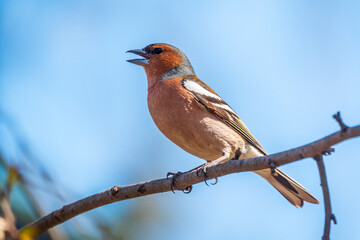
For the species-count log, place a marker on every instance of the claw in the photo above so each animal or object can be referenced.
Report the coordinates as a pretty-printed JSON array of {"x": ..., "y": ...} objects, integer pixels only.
[
  {"x": 172, "y": 185},
  {"x": 174, "y": 176},
  {"x": 206, "y": 183},
  {"x": 203, "y": 170},
  {"x": 216, "y": 181},
  {"x": 188, "y": 189}
]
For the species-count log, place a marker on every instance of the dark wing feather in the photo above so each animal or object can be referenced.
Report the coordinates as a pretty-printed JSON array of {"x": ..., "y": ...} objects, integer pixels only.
[{"x": 226, "y": 114}]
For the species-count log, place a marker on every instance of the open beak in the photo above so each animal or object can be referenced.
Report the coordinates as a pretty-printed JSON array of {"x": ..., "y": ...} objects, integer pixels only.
[{"x": 139, "y": 61}]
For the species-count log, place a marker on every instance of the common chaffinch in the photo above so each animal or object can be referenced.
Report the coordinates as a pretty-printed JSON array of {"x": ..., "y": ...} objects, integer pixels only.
[{"x": 197, "y": 119}]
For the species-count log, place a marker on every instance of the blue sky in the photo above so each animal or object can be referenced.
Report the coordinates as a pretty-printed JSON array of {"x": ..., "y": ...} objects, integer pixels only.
[{"x": 284, "y": 66}]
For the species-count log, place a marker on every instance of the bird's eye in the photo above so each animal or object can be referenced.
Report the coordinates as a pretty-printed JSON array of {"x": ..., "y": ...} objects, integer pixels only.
[{"x": 158, "y": 50}]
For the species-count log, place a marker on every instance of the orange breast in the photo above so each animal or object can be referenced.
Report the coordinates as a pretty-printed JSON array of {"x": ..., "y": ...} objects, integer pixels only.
[{"x": 185, "y": 122}]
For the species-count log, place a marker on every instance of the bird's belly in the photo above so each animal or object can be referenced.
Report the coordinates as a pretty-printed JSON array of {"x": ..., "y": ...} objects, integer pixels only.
[{"x": 186, "y": 123}]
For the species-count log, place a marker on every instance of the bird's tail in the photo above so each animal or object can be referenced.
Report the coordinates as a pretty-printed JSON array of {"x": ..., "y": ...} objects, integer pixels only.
[{"x": 288, "y": 187}]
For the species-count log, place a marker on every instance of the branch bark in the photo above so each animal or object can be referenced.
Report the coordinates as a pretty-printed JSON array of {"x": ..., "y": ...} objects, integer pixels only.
[
  {"x": 183, "y": 182},
  {"x": 328, "y": 212},
  {"x": 323, "y": 179}
]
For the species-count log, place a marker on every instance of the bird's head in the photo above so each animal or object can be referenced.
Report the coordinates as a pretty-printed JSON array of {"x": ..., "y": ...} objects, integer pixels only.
[{"x": 162, "y": 61}]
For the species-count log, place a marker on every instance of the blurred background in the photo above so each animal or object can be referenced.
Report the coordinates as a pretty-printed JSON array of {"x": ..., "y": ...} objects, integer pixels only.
[{"x": 74, "y": 118}]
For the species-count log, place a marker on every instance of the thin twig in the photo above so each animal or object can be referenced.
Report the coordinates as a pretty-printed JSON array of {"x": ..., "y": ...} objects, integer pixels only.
[
  {"x": 328, "y": 212},
  {"x": 343, "y": 126},
  {"x": 183, "y": 181}
]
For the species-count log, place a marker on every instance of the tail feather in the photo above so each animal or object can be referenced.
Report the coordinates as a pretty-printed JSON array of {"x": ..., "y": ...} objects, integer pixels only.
[{"x": 288, "y": 187}]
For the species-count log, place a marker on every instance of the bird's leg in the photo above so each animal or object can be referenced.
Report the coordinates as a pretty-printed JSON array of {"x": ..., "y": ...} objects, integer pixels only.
[
  {"x": 237, "y": 154},
  {"x": 196, "y": 169},
  {"x": 204, "y": 167},
  {"x": 170, "y": 174}
]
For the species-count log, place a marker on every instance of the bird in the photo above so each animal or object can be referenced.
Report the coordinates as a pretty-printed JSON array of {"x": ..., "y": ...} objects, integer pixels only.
[{"x": 194, "y": 117}]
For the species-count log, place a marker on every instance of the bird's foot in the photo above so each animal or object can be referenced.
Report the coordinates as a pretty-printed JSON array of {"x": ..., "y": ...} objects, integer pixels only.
[
  {"x": 174, "y": 176},
  {"x": 203, "y": 170}
]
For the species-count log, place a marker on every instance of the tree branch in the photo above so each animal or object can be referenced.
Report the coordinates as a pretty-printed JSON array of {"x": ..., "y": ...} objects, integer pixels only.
[
  {"x": 328, "y": 212},
  {"x": 343, "y": 126},
  {"x": 323, "y": 179},
  {"x": 183, "y": 182}
]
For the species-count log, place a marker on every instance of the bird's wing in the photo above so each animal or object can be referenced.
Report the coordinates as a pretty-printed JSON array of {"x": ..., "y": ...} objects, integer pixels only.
[{"x": 217, "y": 106}]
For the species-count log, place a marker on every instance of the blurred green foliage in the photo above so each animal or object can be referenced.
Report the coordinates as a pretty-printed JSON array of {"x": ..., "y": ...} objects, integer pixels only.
[{"x": 27, "y": 186}]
